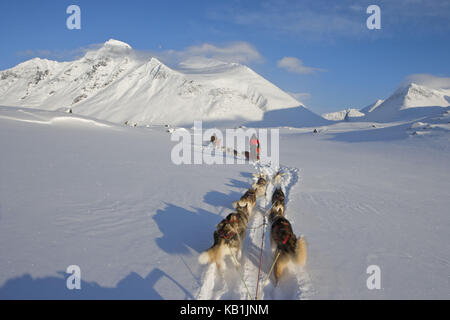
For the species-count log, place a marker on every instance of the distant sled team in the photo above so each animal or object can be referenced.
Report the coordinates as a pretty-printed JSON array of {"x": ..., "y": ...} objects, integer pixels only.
[
  {"x": 252, "y": 155},
  {"x": 230, "y": 232}
]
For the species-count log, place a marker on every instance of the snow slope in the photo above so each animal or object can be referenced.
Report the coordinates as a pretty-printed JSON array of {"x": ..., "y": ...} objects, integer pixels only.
[
  {"x": 343, "y": 115},
  {"x": 371, "y": 106},
  {"x": 76, "y": 190},
  {"x": 116, "y": 84}
]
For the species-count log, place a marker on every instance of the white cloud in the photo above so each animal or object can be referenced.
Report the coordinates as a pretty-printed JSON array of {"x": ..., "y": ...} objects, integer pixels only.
[
  {"x": 428, "y": 80},
  {"x": 239, "y": 52},
  {"x": 295, "y": 65}
]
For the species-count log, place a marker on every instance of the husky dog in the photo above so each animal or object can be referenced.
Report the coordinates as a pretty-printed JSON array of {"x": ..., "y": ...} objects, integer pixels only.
[
  {"x": 260, "y": 184},
  {"x": 283, "y": 238},
  {"x": 249, "y": 199},
  {"x": 230, "y": 232},
  {"x": 277, "y": 203},
  {"x": 289, "y": 246},
  {"x": 278, "y": 196}
]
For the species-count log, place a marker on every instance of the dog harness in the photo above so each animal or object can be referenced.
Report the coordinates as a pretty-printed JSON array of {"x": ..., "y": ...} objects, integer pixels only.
[
  {"x": 234, "y": 219},
  {"x": 284, "y": 228},
  {"x": 226, "y": 235}
]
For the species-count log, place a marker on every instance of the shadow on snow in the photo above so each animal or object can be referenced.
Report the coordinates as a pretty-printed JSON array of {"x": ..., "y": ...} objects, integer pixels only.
[{"x": 132, "y": 286}]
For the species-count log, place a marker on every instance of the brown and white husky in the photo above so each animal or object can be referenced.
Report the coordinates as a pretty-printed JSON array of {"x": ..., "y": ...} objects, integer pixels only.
[
  {"x": 249, "y": 199},
  {"x": 230, "y": 232},
  {"x": 260, "y": 185},
  {"x": 283, "y": 239}
]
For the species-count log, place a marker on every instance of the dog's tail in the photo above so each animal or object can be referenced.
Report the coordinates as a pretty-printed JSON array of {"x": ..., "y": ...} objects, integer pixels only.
[
  {"x": 211, "y": 255},
  {"x": 205, "y": 257},
  {"x": 300, "y": 251}
]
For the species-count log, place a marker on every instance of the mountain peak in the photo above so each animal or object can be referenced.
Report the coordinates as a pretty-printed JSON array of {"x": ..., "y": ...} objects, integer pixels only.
[
  {"x": 116, "y": 43},
  {"x": 154, "y": 60},
  {"x": 111, "y": 48}
]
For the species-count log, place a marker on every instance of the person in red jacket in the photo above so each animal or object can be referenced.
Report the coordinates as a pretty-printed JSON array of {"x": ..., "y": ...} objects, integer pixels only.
[{"x": 254, "y": 148}]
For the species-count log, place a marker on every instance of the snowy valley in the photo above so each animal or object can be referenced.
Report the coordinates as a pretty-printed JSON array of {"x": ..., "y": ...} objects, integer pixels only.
[{"x": 364, "y": 186}]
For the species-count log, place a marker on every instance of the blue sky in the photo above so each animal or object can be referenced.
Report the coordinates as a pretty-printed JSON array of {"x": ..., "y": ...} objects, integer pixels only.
[{"x": 320, "y": 50}]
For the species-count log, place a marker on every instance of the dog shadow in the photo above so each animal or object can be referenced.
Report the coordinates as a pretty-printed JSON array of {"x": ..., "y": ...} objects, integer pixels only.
[
  {"x": 247, "y": 175},
  {"x": 184, "y": 229},
  {"x": 216, "y": 198},
  {"x": 133, "y": 286},
  {"x": 220, "y": 199},
  {"x": 238, "y": 184}
]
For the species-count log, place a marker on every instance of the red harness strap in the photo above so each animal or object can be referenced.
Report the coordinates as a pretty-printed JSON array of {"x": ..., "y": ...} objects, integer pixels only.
[
  {"x": 285, "y": 227},
  {"x": 226, "y": 235},
  {"x": 234, "y": 219}
]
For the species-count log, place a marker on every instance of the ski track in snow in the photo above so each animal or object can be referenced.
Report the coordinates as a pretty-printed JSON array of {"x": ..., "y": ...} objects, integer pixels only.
[{"x": 227, "y": 284}]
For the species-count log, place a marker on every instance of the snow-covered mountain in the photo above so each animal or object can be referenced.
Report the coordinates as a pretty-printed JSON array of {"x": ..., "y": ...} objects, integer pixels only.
[
  {"x": 113, "y": 83},
  {"x": 343, "y": 115},
  {"x": 410, "y": 102},
  {"x": 371, "y": 106}
]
